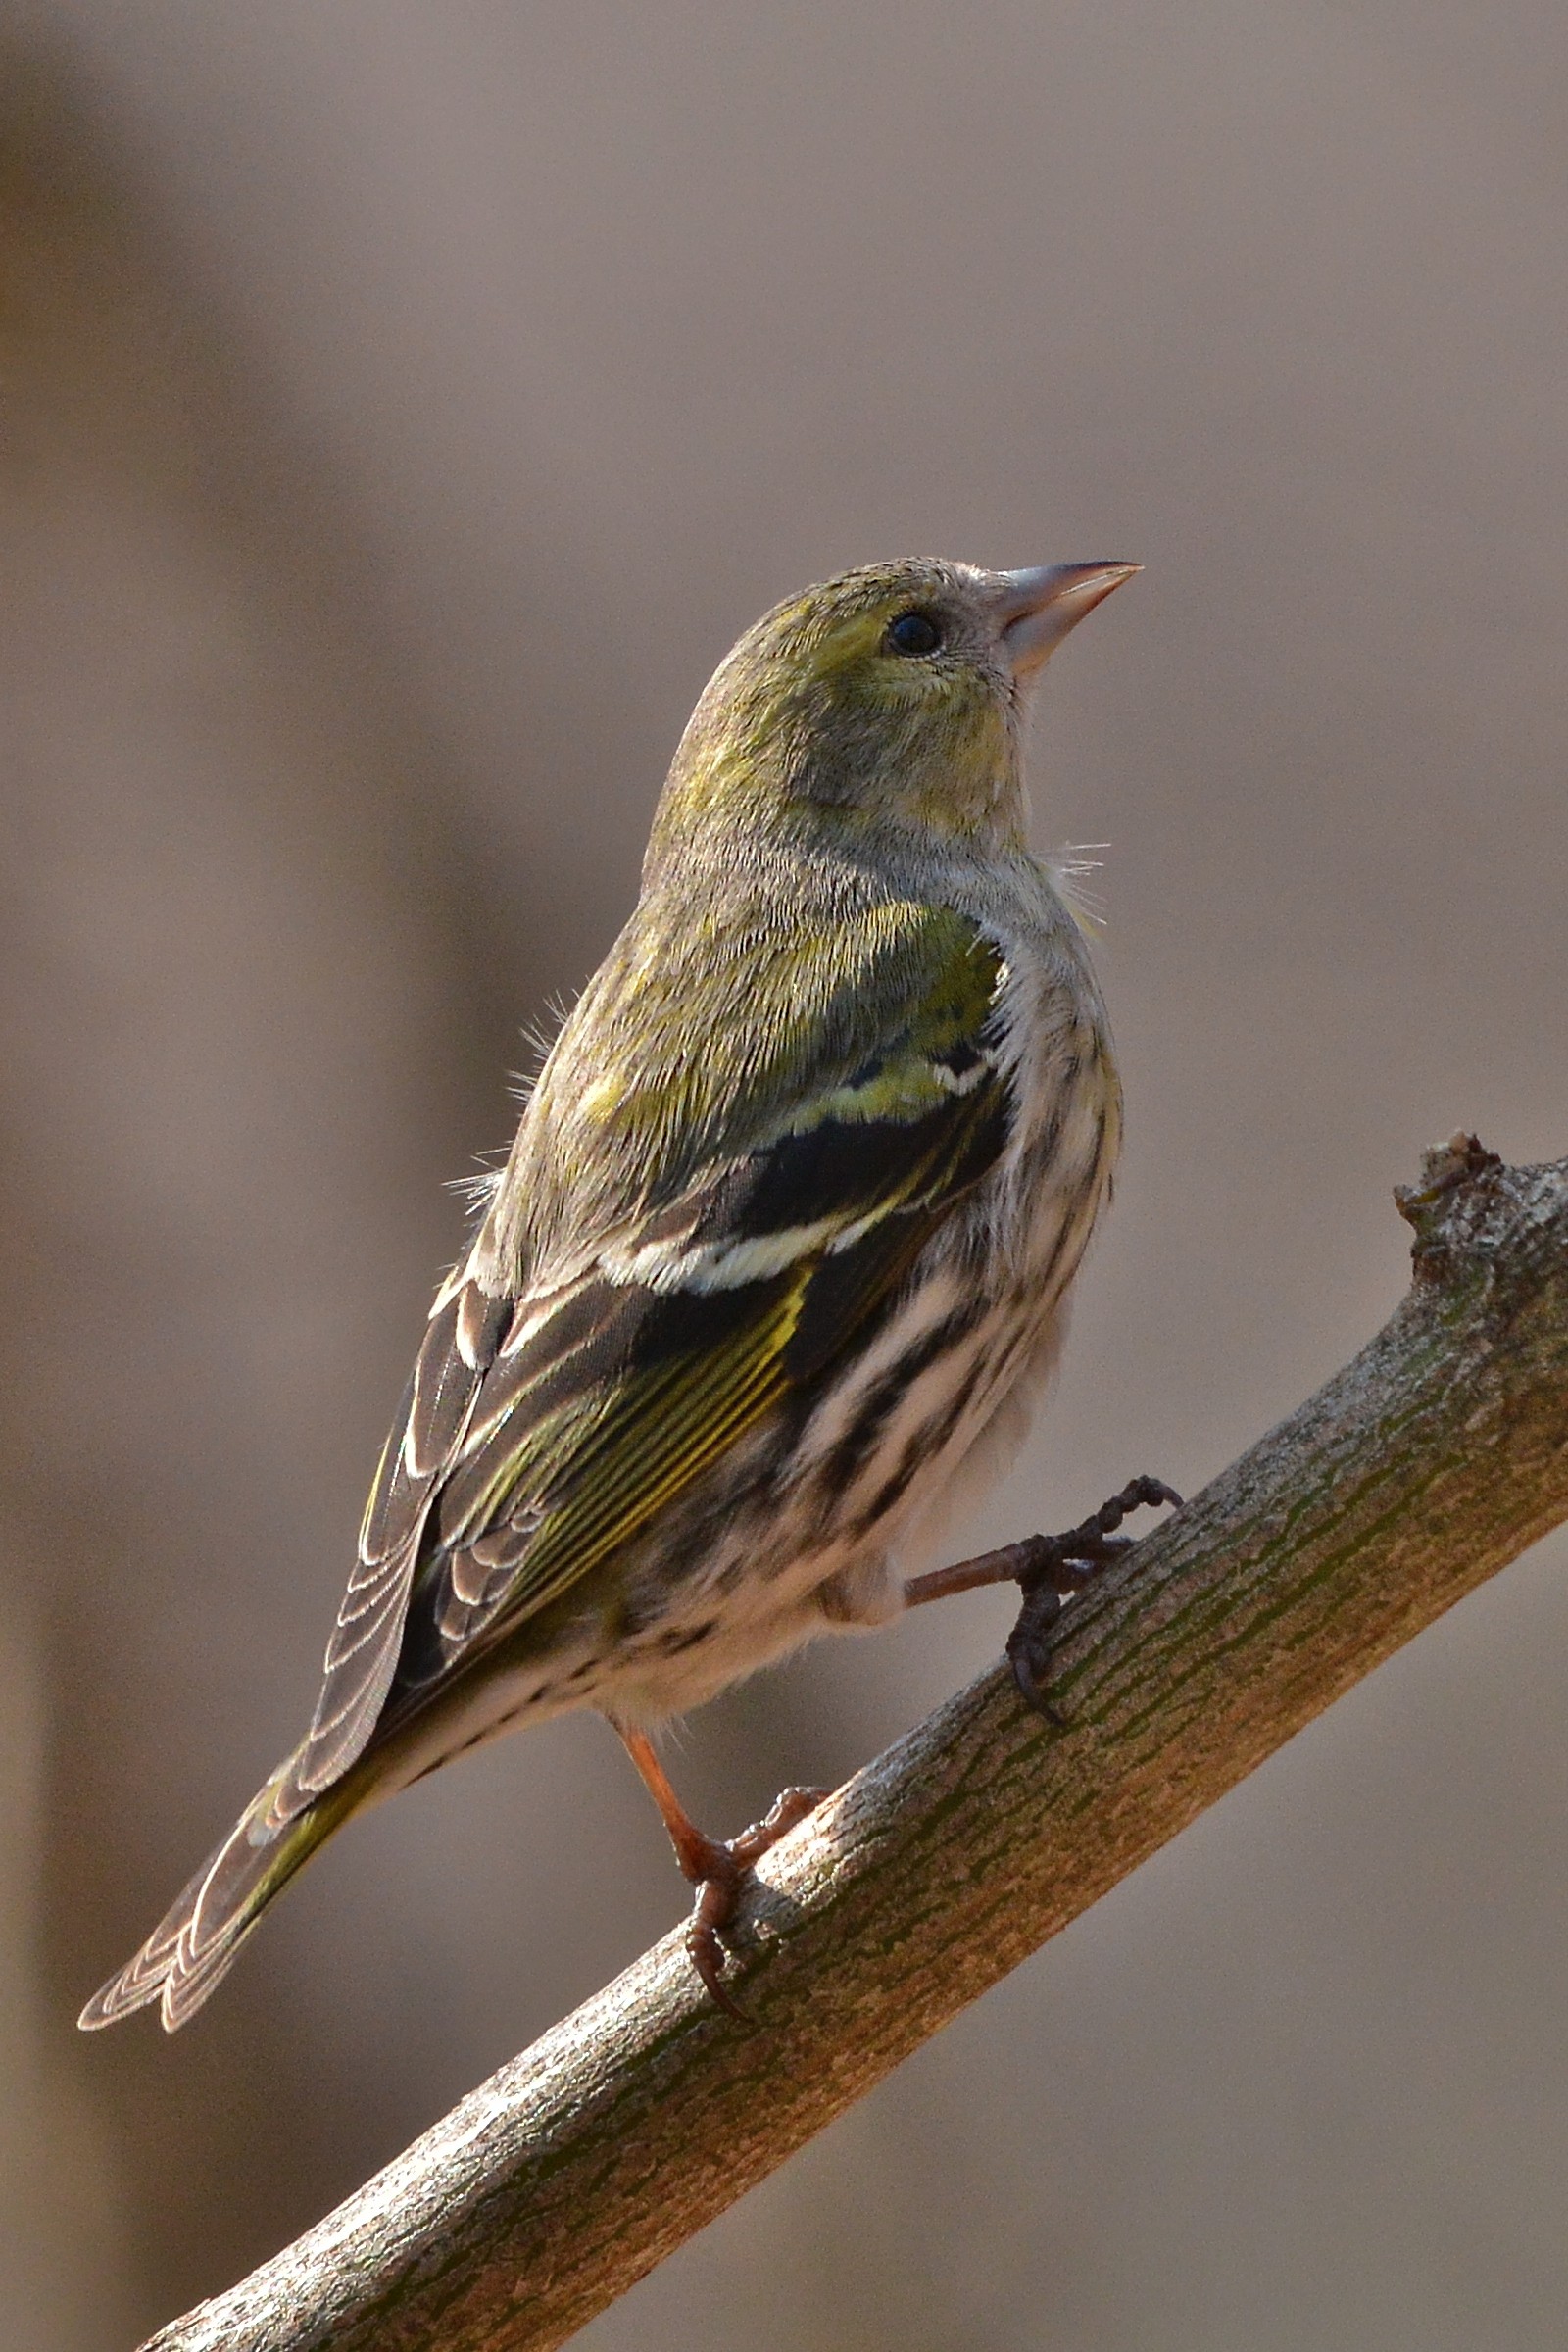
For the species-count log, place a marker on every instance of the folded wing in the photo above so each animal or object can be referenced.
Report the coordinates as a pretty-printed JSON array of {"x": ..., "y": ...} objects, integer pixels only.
[{"x": 542, "y": 1432}]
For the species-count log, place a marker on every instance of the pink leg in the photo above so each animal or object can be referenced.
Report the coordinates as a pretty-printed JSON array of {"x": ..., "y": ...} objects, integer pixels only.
[{"x": 716, "y": 1867}]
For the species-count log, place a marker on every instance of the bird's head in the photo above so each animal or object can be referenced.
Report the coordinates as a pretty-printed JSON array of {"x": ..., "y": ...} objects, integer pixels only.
[{"x": 892, "y": 693}]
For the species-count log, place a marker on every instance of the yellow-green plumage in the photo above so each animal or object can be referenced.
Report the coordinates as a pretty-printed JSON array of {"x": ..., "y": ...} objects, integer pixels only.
[{"x": 788, "y": 1221}]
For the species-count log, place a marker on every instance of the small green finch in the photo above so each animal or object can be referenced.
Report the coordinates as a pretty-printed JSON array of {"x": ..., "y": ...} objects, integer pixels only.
[{"x": 790, "y": 1217}]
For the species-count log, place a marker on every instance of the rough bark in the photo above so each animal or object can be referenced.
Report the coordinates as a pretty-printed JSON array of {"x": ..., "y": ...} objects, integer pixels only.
[{"x": 1423, "y": 1467}]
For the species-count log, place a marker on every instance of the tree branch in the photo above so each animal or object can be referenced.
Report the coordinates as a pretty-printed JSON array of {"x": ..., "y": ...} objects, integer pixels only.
[{"x": 1422, "y": 1468}]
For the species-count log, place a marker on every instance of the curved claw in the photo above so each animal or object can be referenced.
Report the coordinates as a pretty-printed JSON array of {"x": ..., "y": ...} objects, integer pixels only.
[
  {"x": 1152, "y": 1492},
  {"x": 711, "y": 1913},
  {"x": 1056, "y": 1566},
  {"x": 1033, "y": 1691},
  {"x": 726, "y": 1868}
]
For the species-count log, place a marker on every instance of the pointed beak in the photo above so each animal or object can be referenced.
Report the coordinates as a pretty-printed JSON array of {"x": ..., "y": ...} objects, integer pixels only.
[{"x": 1035, "y": 608}]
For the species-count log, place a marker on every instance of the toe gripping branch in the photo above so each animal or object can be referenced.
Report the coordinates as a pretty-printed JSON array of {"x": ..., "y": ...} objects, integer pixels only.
[
  {"x": 716, "y": 1867},
  {"x": 719, "y": 1875},
  {"x": 1050, "y": 1568}
]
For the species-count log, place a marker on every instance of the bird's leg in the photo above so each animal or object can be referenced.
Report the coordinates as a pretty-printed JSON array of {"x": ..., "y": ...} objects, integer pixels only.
[
  {"x": 716, "y": 1867},
  {"x": 1046, "y": 1569}
]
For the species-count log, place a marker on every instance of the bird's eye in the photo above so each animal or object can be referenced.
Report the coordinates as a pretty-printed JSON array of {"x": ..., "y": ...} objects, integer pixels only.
[{"x": 913, "y": 634}]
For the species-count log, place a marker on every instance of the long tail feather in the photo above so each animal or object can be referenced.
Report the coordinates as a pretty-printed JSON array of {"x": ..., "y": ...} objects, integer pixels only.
[{"x": 198, "y": 1938}]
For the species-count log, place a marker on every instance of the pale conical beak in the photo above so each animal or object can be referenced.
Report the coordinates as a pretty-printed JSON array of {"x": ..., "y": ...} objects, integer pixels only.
[{"x": 1035, "y": 608}]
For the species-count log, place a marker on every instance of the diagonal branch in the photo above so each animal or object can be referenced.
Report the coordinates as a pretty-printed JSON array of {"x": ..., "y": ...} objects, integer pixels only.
[{"x": 1426, "y": 1465}]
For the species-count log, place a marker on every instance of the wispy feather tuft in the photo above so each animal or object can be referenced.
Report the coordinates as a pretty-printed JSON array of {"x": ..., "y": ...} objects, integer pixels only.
[{"x": 1069, "y": 868}]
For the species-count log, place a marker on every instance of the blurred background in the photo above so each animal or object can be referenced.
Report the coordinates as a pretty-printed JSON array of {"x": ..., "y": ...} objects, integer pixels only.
[{"x": 403, "y": 407}]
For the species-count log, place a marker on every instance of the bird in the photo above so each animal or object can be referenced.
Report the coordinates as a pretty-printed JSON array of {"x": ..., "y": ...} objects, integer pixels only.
[{"x": 784, "y": 1238}]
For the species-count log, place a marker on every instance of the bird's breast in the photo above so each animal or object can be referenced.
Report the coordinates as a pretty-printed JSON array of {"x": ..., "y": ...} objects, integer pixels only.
[{"x": 1040, "y": 1202}]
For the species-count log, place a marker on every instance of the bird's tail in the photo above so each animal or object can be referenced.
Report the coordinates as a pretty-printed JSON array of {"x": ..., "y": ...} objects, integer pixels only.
[{"x": 197, "y": 1940}]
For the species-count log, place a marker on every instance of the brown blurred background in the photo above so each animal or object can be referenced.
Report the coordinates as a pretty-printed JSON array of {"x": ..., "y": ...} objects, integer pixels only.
[{"x": 405, "y": 403}]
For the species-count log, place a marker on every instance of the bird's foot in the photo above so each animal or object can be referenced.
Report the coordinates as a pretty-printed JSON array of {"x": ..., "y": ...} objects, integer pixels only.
[
  {"x": 716, "y": 1867},
  {"x": 719, "y": 1869},
  {"x": 1050, "y": 1568}
]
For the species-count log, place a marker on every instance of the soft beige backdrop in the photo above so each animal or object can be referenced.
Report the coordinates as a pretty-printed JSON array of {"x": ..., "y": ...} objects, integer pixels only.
[{"x": 406, "y": 402}]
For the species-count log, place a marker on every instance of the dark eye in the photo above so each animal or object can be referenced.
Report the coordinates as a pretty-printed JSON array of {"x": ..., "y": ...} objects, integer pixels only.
[{"x": 913, "y": 634}]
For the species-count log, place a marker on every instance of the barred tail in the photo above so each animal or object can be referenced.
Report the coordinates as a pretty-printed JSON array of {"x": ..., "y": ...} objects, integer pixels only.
[{"x": 197, "y": 1940}]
